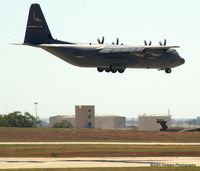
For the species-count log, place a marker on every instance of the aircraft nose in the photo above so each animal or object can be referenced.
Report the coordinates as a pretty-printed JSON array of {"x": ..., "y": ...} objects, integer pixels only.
[{"x": 182, "y": 60}]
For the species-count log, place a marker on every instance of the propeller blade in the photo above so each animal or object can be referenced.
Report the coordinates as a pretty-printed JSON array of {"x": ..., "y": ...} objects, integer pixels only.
[
  {"x": 165, "y": 42},
  {"x": 160, "y": 43},
  {"x": 98, "y": 40},
  {"x": 117, "y": 41},
  {"x": 150, "y": 42},
  {"x": 145, "y": 43},
  {"x": 102, "y": 41}
]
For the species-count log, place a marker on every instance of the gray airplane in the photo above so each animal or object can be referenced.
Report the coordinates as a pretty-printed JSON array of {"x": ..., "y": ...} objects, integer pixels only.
[{"x": 110, "y": 58}]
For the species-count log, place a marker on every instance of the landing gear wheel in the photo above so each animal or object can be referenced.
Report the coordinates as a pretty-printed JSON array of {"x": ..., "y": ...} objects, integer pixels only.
[
  {"x": 113, "y": 70},
  {"x": 120, "y": 70},
  {"x": 107, "y": 69},
  {"x": 100, "y": 69},
  {"x": 168, "y": 70}
]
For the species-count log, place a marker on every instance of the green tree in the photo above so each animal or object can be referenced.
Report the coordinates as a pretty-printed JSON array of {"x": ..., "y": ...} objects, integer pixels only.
[
  {"x": 16, "y": 119},
  {"x": 63, "y": 124},
  {"x": 3, "y": 121}
]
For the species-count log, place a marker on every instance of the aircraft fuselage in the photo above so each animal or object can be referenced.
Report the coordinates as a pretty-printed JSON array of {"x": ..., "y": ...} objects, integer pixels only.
[{"x": 89, "y": 56}]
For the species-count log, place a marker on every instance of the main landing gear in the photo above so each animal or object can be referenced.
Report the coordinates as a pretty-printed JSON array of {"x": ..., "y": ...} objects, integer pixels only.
[
  {"x": 110, "y": 70},
  {"x": 167, "y": 70}
]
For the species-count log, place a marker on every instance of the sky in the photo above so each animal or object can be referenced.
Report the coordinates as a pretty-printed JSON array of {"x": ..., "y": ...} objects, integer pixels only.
[{"x": 29, "y": 75}]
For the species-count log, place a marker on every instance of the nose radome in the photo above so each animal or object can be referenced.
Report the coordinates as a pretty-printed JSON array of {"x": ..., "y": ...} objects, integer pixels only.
[{"x": 182, "y": 60}]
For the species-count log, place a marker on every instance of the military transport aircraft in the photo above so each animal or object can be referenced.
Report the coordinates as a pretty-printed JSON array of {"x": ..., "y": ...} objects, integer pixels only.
[{"x": 110, "y": 58}]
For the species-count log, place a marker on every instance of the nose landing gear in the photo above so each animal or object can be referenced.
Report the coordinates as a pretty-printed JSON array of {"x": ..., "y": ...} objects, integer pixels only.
[{"x": 168, "y": 70}]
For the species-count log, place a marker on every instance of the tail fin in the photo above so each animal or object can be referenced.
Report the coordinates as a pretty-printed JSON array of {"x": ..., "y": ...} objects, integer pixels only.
[{"x": 37, "y": 30}]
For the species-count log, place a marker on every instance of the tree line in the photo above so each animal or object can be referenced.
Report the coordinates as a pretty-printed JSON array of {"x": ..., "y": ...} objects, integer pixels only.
[{"x": 17, "y": 119}]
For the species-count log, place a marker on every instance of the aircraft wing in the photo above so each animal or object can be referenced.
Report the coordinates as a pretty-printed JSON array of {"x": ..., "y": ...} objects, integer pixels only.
[{"x": 134, "y": 49}]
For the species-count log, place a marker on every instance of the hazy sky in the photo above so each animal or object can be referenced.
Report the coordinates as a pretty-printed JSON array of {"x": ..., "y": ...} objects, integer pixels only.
[{"x": 29, "y": 74}]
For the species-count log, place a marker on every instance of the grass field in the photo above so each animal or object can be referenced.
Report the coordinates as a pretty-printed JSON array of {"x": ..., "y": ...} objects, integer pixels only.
[
  {"x": 84, "y": 135},
  {"x": 97, "y": 151},
  {"x": 115, "y": 169},
  {"x": 52, "y": 134}
]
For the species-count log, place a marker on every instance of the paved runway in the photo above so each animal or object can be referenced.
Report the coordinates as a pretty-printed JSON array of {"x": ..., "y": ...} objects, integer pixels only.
[
  {"x": 85, "y": 162},
  {"x": 96, "y": 143}
]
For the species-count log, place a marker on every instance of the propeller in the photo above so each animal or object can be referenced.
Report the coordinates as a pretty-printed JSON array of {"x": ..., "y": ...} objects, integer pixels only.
[
  {"x": 117, "y": 41},
  {"x": 101, "y": 41},
  {"x": 164, "y": 43},
  {"x": 147, "y": 44}
]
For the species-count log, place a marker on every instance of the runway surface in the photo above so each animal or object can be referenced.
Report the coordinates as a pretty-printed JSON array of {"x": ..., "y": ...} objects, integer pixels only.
[
  {"x": 96, "y": 143},
  {"x": 85, "y": 162}
]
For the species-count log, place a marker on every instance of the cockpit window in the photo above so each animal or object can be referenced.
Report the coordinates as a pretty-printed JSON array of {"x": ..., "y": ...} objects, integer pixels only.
[{"x": 173, "y": 51}]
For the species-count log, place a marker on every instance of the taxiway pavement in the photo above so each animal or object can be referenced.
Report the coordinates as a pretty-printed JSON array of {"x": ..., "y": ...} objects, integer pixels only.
[
  {"x": 97, "y": 143},
  {"x": 89, "y": 162}
]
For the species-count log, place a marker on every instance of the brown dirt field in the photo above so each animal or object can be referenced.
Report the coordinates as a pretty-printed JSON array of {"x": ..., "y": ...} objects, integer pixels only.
[
  {"x": 97, "y": 151},
  {"x": 52, "y": 134}
]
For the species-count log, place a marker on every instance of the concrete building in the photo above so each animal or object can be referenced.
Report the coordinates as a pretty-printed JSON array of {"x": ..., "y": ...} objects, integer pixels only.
[
  {"x": 84, "y": 116},
  {"x": 110, "y": 122},
  {"x": 154, "y": 122},
  {"x": 61, "y": 118},
  {"x": 198, "y": 121}
]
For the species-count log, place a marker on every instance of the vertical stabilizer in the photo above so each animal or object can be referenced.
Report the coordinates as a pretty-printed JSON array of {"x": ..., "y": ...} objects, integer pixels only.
[{"x": 37, "y": 30}]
